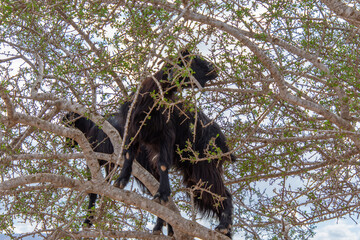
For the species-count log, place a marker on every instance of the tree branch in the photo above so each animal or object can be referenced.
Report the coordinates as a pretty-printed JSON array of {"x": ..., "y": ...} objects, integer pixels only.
[
  {"x": 91, "y": 161},
  {"x": 9, "y": 106},
  {"x": 349, "y": 14},
  {"x": 127, "y": 197}
]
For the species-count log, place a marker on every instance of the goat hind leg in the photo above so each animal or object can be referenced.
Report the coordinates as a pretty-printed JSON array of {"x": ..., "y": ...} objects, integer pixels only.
[
  {"x": 90, "y": 214},
  {"x": 92, "y": 199},
  {"x": 157, "y": 230}
]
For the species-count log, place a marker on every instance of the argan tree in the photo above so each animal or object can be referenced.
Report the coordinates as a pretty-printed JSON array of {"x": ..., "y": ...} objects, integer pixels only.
[{"x": 287, "y": 98}]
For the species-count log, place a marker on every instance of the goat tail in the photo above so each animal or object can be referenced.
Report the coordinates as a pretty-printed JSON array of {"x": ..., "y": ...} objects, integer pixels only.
[{"x": 207, "y": 188}]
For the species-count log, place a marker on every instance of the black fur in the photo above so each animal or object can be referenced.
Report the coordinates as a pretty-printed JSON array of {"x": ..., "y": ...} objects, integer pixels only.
[
  {"x": 99, "y": 142},
  {"x": 166, "y": 132},
  {"x": 160, "y": 138}
]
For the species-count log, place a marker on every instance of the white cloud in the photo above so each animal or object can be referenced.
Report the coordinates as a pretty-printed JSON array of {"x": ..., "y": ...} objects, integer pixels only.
[
  {"x": 338, "y": 230},
  {"x": 21, "y": 227}
]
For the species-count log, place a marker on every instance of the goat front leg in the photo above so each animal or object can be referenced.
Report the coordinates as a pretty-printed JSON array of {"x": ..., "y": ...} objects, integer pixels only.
[
  {"x": 225, "y": 215},
  {"x": 163, "y": 164},
  {"x": 129, "y": 156}
]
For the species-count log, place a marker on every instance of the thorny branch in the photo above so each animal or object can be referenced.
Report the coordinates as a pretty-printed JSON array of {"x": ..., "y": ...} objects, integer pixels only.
[{"x": 287, "y": 100}]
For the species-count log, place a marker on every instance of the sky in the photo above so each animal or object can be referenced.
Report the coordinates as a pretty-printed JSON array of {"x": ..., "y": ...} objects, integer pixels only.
[{"x": 338, "y": 230}]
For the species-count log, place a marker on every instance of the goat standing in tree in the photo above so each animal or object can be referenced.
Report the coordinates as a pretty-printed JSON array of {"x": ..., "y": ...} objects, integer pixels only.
[{"x": 166, "y": 131}]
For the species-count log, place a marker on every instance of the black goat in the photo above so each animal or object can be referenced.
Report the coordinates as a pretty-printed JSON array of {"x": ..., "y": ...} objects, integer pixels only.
[
  {"x": 159, "y": 137},
  {"x": 166, "y": 132}
]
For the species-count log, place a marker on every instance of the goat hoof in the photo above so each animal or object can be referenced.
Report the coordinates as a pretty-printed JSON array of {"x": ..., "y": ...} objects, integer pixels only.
[
  {"x": 157, "y": 232},
  {"x": 120, "y": 183},
  {"x": 160, "y": 198},
  {"x": 170, "y": 231},
  {"x": 157, "y": 200},
  {"x": 224, "y": 230},
  {"x": 87, "y": 223}
]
